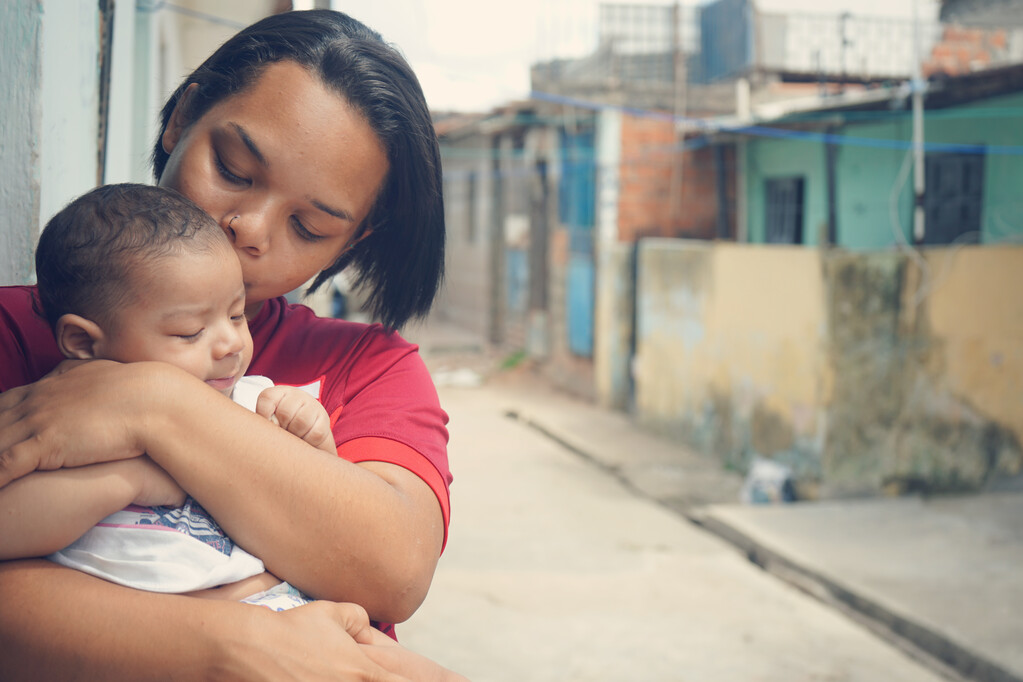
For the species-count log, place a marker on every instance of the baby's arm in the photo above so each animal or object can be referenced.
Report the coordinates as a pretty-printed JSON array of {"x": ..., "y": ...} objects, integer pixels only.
[
  {"x": 300, "y": 413},
  {"x": 48, "y": 510}
]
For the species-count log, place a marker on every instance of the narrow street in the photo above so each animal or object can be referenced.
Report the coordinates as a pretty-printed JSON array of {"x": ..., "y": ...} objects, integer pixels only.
[{"x": 555, "y": 570}]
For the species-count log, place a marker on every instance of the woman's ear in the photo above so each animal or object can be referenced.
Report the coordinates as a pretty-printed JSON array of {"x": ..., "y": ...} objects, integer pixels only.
[
  {"x": 179, "y": 119},
  {"x": 77, "y": 337}
]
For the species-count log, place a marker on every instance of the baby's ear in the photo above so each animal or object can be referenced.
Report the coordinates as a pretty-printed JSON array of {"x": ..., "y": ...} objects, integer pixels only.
[{"x": 77, "y": 337}]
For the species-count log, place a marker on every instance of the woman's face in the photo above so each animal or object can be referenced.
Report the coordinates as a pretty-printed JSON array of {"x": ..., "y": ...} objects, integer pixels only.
[{"x": 293, "y": 161}]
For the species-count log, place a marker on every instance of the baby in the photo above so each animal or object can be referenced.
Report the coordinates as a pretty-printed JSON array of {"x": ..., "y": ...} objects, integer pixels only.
[{"x": 136, "y": 273}]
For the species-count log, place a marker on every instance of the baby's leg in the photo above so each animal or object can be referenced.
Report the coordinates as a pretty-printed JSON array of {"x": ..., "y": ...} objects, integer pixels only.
[
  {"x": 238, "y": 591},
  {"x": 281, "y": 597}
]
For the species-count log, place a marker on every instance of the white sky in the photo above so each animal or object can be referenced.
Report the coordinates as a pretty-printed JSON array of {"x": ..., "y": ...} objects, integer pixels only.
[{"x": 473, "y": 55}]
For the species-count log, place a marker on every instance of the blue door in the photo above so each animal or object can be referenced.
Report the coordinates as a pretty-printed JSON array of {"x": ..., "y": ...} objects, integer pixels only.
[{"x": 576, "y": 202}]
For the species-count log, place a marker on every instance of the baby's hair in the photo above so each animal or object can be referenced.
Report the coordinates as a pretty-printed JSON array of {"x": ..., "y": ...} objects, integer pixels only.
[{"x": 88, "y": 251}]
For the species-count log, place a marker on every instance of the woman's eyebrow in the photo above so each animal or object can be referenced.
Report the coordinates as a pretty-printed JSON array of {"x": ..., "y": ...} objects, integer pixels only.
[
  {"x": 258, "y": 155},
  {"x": 336, "y": 212},
  {"x": 251, "y": 144}
]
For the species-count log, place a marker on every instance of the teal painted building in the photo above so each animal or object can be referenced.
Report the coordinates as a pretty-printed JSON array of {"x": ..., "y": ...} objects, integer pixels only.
[{"x": 844, "y": 175}]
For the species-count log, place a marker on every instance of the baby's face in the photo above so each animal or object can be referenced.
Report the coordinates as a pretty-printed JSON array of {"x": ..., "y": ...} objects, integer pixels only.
[{"x": 187, "y": 310}]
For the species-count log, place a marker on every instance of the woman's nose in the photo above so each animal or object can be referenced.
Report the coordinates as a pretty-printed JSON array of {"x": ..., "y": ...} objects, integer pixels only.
[{"x": 248, "y": 232}]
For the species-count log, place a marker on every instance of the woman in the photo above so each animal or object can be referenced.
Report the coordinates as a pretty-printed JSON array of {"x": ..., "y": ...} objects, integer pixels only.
[{"x": 309, "y": 140}]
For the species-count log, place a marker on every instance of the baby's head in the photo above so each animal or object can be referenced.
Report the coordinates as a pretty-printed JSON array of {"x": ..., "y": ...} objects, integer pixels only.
[{"x": 135, "y": 272}]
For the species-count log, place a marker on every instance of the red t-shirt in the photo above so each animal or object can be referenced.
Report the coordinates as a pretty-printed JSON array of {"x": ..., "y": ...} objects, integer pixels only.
[
  {"x": 374, "y": 386},
  {"x": 382, "y": 403}
]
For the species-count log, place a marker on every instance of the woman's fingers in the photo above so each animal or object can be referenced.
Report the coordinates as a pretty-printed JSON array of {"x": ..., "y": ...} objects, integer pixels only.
[
  {"x": 354, "y": 619},
  {"x": 321, "y": 645},
  {"x": 79, "y": 414},
  {"x": 396, "y": 658},
  {"x": 389, "y": 654},
  {"x": 17, "y": 460},
  {"x": 11, "y": 409}
]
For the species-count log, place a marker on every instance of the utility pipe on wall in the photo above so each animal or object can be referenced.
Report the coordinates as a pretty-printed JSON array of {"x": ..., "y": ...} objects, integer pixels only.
[{"x": 919, "y": 170}]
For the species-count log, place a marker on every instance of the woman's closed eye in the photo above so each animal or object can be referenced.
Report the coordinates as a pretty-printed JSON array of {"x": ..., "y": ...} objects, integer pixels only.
[
  {"x": 303, "y": 232},
  {"x": 227, "y": 174}
]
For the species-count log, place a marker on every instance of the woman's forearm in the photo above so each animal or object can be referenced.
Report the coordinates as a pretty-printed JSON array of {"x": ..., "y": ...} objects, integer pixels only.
[
  {"x": 48, "y": 510},
  {"x": 369, "y": 534},
  {"x": 115, "y": 632}
]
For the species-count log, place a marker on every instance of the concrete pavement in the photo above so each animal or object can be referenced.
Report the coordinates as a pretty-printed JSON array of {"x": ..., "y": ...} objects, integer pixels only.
[
  {"x": 583, "y": 548},
  {"x": 943, "y": 573}
]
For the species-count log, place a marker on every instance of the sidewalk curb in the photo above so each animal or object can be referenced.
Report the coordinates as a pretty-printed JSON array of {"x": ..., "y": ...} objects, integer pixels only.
[
  {"x": 916, "y": 638},
  {"x": 931, "y": 648},
  {"x": 573, "y": 446}
]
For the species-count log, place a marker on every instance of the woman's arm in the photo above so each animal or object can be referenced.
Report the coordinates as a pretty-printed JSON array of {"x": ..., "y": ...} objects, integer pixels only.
[
  {"x": 369, "y": 534},
  {"x": 48, "y": 510},
  {"x": 122, "y": 634}
]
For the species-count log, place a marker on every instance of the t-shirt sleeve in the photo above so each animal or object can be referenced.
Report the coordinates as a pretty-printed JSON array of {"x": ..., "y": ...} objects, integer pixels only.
[
  {"x": 393, "y": 452},
  {"x": 389, "y": 411},
  {"x": 376, "y": 388},
  {"x": 28, "y": 350}
]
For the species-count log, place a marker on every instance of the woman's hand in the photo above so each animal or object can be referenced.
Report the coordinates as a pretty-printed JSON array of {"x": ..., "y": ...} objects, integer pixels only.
[
  {"x": 317, "y": 641},
  {"x": 84, "y": 412},
  {"x": 121, "y": 633},
  {"x": 396, "y": 658},
  {"x": 317, "y": 624}
]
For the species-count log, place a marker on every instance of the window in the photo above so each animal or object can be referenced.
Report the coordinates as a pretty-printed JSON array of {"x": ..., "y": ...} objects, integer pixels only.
[
  {"x": 783, "y": 201},
  {"x": 953, "y": 197}
]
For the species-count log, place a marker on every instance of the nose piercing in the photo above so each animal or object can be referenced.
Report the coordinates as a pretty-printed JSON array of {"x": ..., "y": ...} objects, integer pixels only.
[{"x": 231, "y": 222}]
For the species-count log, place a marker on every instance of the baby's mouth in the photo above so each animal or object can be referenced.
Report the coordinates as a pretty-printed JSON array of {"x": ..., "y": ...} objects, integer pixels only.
[{"x": 222, "y": 384}]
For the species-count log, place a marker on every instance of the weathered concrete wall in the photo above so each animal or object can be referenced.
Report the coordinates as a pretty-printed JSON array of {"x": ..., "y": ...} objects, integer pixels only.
[
  {"x": 872, "y": 360},
  {"x": 927, "y": 370},
  {"x": 730, "y": 354},
  {"x": 613, "y": 326},
  {"x": 20, "y": 70},
  {"x": 865, "y": 373},
  {"x": 963, "y": 422},
  {"x": 466, "y": 297}
]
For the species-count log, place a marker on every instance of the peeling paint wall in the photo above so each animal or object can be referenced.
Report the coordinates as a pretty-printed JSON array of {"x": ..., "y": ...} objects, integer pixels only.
[
  {"x": 20, "y": 68},
  {"x": 872, "y": 364},
  {"x": 962, "y": 424},
  {"x": 469, "y": 189},
  {"x": 613, "y": 319},
  {"x": 928, "y": 372},
  {"x": 729, "y": 349},
  {"x": 866, "y": 373}
]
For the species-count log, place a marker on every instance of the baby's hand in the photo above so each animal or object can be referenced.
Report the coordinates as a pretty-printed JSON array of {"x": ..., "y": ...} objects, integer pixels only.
[
  {"x": 298, "y": 412},
  {"x": 155, "y": 486}
]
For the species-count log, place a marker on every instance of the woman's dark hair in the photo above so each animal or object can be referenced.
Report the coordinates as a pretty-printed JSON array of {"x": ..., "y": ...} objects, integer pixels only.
[
  {"x": 87, "y": 251},
  {"x": 401, "y": 262}
]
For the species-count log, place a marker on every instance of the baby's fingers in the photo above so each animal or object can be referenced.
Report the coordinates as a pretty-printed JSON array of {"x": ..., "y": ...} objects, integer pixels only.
[{"x": 268, "y": 401}]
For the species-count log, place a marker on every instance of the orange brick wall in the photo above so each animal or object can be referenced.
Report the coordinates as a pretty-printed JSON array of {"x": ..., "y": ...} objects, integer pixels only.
[{"x": 645, "y": 184}]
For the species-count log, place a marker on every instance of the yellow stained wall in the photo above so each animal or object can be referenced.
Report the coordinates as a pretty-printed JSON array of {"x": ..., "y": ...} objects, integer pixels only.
[
  {"x": 729, "y": 345},
  {"x": 867, "y": 372},
  {"x": 972, "y": 298}
]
